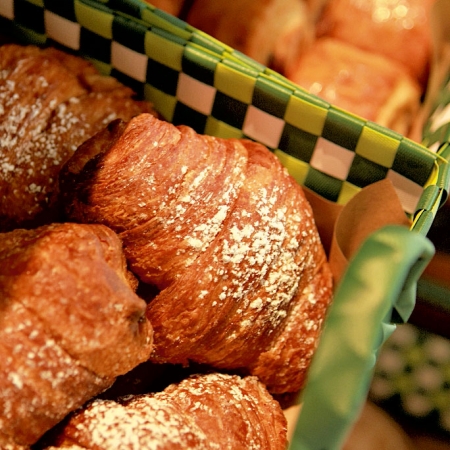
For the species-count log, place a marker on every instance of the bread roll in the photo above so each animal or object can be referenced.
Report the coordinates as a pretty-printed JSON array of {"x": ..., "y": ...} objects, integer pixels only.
[
  {"x": 50, "y": 102},
  {"x": 360, "y": 82},
  {"x": 212, "y": 411},
  {"x": 70, "y": 323},
  {"x": 272, "y": 32},
  {"x": 398, "y": 30},
  {"x": 225, "y": 234}
]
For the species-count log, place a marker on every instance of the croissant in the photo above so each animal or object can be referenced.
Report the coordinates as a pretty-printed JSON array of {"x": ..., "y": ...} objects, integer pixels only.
[
  {"x": 70, "y": 323},
  {"x": 361, "y": 82},
  {"x": 210, "y": 411},
  {"x": 223, "y": 231},
  {"x": 400, "y": 31},
  {"x": 50, "y": 102},
  {"x": 272, "y": 32}
]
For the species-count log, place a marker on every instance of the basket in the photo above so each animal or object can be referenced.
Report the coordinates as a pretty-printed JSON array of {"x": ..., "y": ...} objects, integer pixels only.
[{"x": 195, "y": 80}]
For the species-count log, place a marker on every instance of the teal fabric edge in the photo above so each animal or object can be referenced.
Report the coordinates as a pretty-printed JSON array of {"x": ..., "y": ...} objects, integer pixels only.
[{"x": 381, "y": 277}]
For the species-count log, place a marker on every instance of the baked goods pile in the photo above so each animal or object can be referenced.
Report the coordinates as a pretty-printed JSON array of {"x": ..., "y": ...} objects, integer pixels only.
[
  {"x": 224, "y": 233},
  {"x": 207, "y": 411},
  {"x": 151, "y": 244},
  {"x": 272, "y": 32},
  {"x": 369, "y": 57},
  {"x": 70, "y": 323},
  {"x": 43, "y": 119}
]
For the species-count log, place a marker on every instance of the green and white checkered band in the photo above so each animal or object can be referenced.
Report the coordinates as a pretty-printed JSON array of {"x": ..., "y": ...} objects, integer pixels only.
[{"x": 195, "y": 80}]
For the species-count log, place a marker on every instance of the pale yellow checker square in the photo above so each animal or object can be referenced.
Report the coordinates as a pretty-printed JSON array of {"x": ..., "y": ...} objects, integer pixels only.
[
  {"x": 377, "y": 147},
  {"x": 408, "y": 191},
  {"x": 95, "y": 20},
  {"x": 163, "y": 103},
  {"x": 347, "y": 192},
  {"x": 306, "y": 116},
  {"x": 234, "y": 83},
  {"x": 221, "y": 129},
  {"x": 332, "y": 159},
  {"x": 164, "y": 51}
]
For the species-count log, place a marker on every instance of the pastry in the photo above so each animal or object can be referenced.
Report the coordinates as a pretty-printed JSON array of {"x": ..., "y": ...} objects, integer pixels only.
[
  {"x": 398, "y": 30},
  {"x": 70, "y": 323},
  {"x": 211, "y": 411},
  {"x": 360, "y": 82},
  {"x": 272, "y": 32},
  {"x": 50, "y": 102},
  {"x": 173, "y": 7},
  {"x": 225, "y": 234}
]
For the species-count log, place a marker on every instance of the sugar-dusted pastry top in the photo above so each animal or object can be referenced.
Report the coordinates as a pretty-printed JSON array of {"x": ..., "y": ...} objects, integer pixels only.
[
  {"x": 210, "y": 411},
  {"x": 223, "y": 231},
  {"x": 50, "y": 102},
  {"x": 70, "y": 323}
]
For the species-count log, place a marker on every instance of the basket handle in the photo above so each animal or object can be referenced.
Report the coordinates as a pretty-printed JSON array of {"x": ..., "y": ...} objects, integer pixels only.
[{"x": 377, "y": 290}]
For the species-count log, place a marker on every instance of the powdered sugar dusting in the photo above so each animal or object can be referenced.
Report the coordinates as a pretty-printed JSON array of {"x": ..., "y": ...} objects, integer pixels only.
[
  {"x": 32, "y": 132},
  {"x": 265, "y": 250},
  {"x": 46, "y": 112},
  {"x": 149, "y": 424},
  {"x": 203, "y": 412},
  {"x": 38, "y": 376}
]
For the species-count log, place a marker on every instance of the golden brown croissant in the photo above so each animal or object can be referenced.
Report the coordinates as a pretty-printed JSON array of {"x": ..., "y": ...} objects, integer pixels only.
[
  {"x": 272, "y": 32},
  {"x": 70, "y": 323},
  {"x": 212, "y": 411},
  {"x": 398, "y": 30},
  {"x": 50, "y": 102},
  {"x": 363, "y": 83},
  {"x": 225, "y": 234}
]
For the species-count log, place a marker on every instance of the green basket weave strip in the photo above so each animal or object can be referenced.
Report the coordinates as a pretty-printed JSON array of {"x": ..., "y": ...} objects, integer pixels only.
[{"x": 195, "y": 80}]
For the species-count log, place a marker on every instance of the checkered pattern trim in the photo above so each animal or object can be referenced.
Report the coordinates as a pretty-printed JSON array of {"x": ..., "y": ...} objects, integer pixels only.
[{"x": 195, "y": 80}]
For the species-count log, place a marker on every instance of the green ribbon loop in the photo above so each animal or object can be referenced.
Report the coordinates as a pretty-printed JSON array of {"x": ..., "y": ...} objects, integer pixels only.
[{"x": 380, "y": 279}]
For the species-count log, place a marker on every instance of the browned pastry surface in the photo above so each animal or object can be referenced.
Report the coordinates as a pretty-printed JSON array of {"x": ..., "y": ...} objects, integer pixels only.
[
  {"x": 223, "y": 231},
  {"x": 50, "y": 102},
  {"x": 272, "y": 32},
  {"x": 363, "y": 83},
  {"x": 213, "y": 411},
  {"x": 69, "y": 324},
  {"x": 398, "y": 30},
  {"x": 173, "y": 7}
]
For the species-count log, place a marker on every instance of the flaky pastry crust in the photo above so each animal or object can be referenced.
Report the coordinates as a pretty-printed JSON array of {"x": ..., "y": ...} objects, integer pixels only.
[
  {"x": 50, "y": 102},
  {"x": 70, "y": 323},
  {"x": 223, "y": 231},
  {"x": 212, "y": 411}
]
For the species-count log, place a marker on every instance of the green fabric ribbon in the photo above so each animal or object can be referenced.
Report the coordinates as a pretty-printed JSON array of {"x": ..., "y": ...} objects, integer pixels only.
[{"x": 381, "y": 280}]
